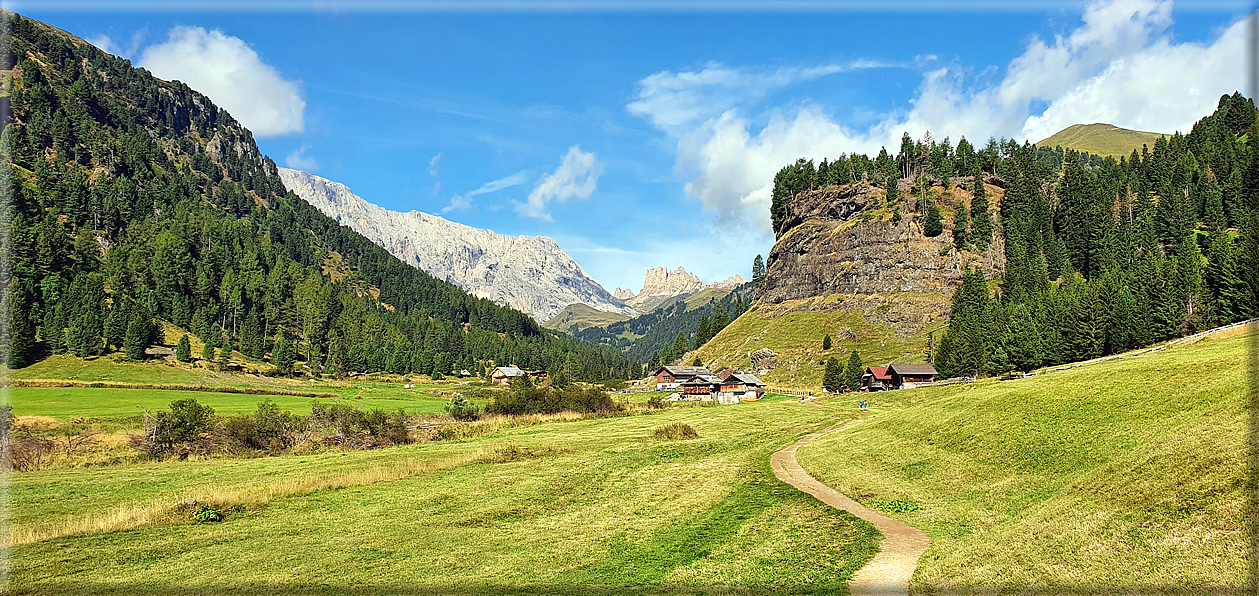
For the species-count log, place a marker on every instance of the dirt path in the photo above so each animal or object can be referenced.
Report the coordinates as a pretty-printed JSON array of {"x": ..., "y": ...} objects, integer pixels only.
[{"x": 890, "y": 570}]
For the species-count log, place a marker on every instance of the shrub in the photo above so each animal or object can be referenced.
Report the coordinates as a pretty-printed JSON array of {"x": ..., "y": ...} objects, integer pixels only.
[
  {"x": 460, "y": 408},
  {"x": 655, "y": 401},
  {"x": 207, "y": 514},
  {"x": 677, "y": 430},
  {"x": 268, "y": 429}
]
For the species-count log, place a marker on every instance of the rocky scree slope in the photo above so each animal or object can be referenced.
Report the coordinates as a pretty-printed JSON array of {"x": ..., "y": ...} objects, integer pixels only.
[{"x": 530, "y": 274}]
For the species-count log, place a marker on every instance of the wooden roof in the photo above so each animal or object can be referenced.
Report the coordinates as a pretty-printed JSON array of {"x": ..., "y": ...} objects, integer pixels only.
[
  {"x": 879, "y": 372},
  {"x": 912, "y": 370},
  {"x": 683, "y": 371},
  {"x": 745, "y": 378},
  {"x": 509, "y": 371}
]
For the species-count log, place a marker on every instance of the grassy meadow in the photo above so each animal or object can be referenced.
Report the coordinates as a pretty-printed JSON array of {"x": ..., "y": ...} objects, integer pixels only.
[
  {"x": 1101, "y": 139},
  {"x": 794, "y": 330},
  {"x": 1126, "y": 474},
  {"x": 569, "y": 506}
]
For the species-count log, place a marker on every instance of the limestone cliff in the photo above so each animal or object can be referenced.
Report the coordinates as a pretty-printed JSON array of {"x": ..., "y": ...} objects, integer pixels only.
[{"x": 840, "y": 240}]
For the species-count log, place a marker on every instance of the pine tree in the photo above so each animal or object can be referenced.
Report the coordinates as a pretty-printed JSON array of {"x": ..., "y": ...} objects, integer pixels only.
[
  {"x": 893, "y": 191},
  {"x": 961, "y": 225},
  {"x": 853, "y": 372},
  {"x": 116, "y": 324},
  {"x": 681, "y": 345},
  {"x": 833, "y": 375},
  {"x": 183, "y": 351},
  {"x": 981, "y": 219},
  {"x": 207, "y": 350},
  {"x": 283, "y": 355},
  {"x": 21, "y": 332},
  {"x": 251, "y": 341},
  {"x": 53, "y": 330},
  {"x": 931, "y": 224},
  {"x": 826, "y": 342},
  {"x": 758, "y": 271},
  {"x": 136, "y": 339}
]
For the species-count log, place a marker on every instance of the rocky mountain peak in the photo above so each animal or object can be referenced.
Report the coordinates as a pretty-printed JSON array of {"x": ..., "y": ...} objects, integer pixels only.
[
  {"x": 659, "y": 281},
  {"x": 531, "y": 274}
]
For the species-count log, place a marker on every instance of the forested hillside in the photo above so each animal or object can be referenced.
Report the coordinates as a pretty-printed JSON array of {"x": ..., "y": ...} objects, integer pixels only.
[
  {"x": 665, "y": 334},
  {"x": 1104, "y": 259},
  {"x": 1102, "y": 255},
  {"x": 133, "y": 199}
]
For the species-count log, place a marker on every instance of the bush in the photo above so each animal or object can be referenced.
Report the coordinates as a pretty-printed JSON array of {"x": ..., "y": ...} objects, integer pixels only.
[
  {"x": 677, "y": 430},
  {"x": 655, "y": 401},
  {"x": 185, "y": 424},
  {"x": 460, "y": 408},
  {"x": 207, "y": 514},
  {"x": 268, "y": 429},
  {"x": 361, "y": 430}
]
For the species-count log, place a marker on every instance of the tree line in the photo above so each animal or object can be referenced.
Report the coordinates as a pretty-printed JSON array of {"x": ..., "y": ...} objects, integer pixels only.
[{"x": 132, "y": 200}]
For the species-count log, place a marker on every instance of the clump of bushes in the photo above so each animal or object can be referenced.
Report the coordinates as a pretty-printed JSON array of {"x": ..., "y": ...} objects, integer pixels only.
[
  {"x": 187, "y": 427},
  {"x": 526, "y": 398},
  {"x": 677, "y": 430},
  {"x": 460, "y": 408}
]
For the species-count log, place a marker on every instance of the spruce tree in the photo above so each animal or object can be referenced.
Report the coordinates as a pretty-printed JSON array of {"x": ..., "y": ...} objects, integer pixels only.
[
  {"x": 53, "y": 330},
  {"x": 981, "y": 219},
  {"x": 833, "y": 375},
  {"x": 183, "y": 351},
  {"x": 283, "y": 355},
  {"x": 961, "y": 225},
  {"x": 207, "y": 350},
  {"x": 931, "y": 224},
  {"x": 893, "y": 191},
  {"x": 758, "y": 271},
  {"x": 853, "y": 372},
  {"x": 251, "y": 341},
  {"x": 826, "y": 342},
  {"x": 136, "y": 339}
]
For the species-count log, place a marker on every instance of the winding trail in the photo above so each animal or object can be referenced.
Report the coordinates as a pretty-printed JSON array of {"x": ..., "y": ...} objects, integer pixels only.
[{"x": 890, "y": 570}]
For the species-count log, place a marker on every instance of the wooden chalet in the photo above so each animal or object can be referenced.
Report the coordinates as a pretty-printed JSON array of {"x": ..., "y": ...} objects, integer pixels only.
[
  {"x": 908, "y": 376},
  {"x": 701, "y": 387},
  {"x": 504, "y": 374},
  {"x": 741, "y": 386},
  {"x": 876, "y": 378},
  {"x": 672, "y": 377}
]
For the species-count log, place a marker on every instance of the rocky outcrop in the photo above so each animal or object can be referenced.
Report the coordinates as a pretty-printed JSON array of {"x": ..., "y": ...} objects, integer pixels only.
[
  {"x": 729, "y": 283},
  {"x": 660, "y": 283},
  {"x": 623, "y": 294},
  {"x": 530, "y": 274},
  {"x": 839, "y": 241}
]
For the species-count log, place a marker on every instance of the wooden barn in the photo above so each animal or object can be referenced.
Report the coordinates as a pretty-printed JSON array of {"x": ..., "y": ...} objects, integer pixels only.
[
  {"x": 701, "y": 387},
  {"x": 672, "y": 377},
  {"x": 504, "y": 374},
  {"x": 876, "y": 378},
  {"x": 741, "y": 386},
  {"x": 908, "y": 376}
]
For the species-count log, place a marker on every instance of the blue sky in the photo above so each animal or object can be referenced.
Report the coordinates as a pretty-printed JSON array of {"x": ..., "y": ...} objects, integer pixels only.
[{"x": 639, "y": 138}]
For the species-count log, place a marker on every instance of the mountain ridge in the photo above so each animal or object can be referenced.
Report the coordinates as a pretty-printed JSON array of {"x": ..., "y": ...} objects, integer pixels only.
[{"x": 529, "y": 273}]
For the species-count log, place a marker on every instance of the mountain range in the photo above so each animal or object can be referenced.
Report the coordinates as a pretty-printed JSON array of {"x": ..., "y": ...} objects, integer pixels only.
[{"x": 531, "y": 274}]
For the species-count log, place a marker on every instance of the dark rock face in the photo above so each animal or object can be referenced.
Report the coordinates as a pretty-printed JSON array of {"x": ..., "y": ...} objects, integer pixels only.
[{"x": 834, "y": 243}]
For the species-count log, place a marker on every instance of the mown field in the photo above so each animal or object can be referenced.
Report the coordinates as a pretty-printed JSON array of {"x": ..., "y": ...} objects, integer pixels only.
[
  {"x": 1122, "y": 476},
  {"x": 65, "y": 403},
  {"x": 576, "y": 506}
]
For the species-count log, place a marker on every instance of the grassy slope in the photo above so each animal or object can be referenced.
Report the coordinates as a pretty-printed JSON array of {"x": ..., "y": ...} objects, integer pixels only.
[
  {"x": 66, "y": 402},
  {"x": 601, "y": 505},
  {"x": 1123, "y": 473},
  {"x": 1101, "y": 139},
  {"x": 794, "y": 331},
  {"x": 703, "y": 297},
  {"x": 582, "y": 316}
]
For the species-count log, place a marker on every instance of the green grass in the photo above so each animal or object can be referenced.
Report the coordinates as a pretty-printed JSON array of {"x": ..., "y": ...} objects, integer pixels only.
[
  {"x": 794, "y": 331},
  {"x": 1126, "y": 473},
  {"x": 1101, "y": 139},
  {"x": 577, "y": 507},
  {"x": 64, "y": 403},
  {"x": 581, "y": 316}
]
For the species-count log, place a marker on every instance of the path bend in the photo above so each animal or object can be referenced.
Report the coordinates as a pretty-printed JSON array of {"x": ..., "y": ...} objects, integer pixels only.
[{"x": 890, "y": 570}]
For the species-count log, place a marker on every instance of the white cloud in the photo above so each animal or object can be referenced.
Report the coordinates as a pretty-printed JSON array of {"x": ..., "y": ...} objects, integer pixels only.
[
  {"x": 577, "y": 176},
  {"x": 232, "y": 74},
  {"x": 673, "y": 101},
  {"x": 108, "y": 45},
  {"x": 298, "y": 160},
  {"x": 464, "y": 201},
  {"x": 432, "y": 165},
  {"x": 105, "y": 43},
  {"x": 1120, "y": 66}
]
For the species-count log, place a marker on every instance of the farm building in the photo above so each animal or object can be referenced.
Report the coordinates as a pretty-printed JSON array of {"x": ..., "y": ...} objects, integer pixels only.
[
  {"x": 908, "y": 376},
  {"x": 702, "y": 387},
  {"x": 741, "y": 386},
  {"x": 504, "y": 374},
  {"x": 672, "y": 377},
  {"x": 876, "y": 378}
]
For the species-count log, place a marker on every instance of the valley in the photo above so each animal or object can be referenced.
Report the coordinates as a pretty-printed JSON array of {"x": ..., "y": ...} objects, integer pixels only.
[{"x": 220, "y": 375}]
